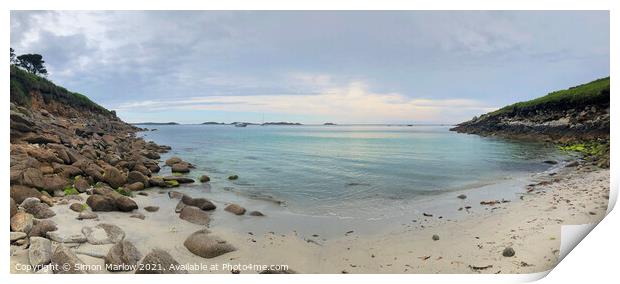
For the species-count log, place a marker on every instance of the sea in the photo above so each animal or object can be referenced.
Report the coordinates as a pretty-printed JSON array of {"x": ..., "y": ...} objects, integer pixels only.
[{"x": 330, "y": 177}]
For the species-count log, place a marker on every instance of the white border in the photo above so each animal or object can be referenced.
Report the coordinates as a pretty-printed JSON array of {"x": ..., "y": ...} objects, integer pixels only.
[{"x": 594, "y": 259}]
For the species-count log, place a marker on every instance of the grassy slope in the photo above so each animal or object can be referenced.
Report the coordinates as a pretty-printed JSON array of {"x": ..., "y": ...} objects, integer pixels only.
[
  {"x": 23, "y": 82},
  {"x": 590, "y": 93}
]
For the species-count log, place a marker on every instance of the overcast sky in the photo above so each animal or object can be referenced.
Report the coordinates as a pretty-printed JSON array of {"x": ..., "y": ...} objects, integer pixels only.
[{"x": 314, "y": 67}]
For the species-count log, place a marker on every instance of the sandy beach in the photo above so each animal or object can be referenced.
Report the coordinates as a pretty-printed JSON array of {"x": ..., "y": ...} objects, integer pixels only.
[{"x": 530, "y": 224}]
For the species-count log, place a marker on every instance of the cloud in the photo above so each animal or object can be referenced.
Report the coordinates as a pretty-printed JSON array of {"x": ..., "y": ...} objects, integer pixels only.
[
  {"x": 353, "y": 103},
  {"x": 496, "y": 57}
]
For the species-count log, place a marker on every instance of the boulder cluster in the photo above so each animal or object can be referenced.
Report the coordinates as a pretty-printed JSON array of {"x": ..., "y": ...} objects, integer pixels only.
[{"x": 93, "y": 163}]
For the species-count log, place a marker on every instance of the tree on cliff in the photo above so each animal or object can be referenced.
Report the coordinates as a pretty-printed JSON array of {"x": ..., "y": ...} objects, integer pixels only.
[{"x": 32, "y": 63}]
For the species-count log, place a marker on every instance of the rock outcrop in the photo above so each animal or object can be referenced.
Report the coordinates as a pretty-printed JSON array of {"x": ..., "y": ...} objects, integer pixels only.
[{"x": 579, "y": 113}]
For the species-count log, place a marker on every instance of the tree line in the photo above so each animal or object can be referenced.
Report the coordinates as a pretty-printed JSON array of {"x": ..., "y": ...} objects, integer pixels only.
[{"x": 32, "y": 63}]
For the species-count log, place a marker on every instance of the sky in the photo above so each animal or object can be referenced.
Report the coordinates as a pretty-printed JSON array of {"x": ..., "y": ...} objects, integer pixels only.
[{"x": 314, "y": 66}]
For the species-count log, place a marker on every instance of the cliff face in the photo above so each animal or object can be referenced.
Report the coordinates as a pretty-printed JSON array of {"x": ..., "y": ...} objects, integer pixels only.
[
  {"x": 576, "y": 114},
  {"x": 63, "y": 143},
  {"x": 40, "y": 109}
]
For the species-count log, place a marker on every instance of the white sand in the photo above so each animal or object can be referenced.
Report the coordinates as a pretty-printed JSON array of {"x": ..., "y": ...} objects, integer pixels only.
[{"x": 531, "y": 226}]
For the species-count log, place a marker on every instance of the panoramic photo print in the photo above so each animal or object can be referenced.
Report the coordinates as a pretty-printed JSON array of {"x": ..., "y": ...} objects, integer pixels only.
[{"x": 315, "y": 142}]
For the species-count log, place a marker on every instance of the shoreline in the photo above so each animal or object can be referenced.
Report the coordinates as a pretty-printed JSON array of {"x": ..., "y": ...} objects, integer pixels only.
[{"x": 407, "y": 248}]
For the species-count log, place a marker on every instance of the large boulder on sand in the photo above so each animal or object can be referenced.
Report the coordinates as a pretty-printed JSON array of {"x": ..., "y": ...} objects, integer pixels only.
[
  {"x": 235, "y": 209},
  {"x": 22, "y": 222},
  {"x": 201, "y": 203},
  {"x": 106, "y": 199},
  {"x": 158, "y": 261},
  {"x": 203, "y": 244},
  {"x": 122, "y": 256},
  {"x": 194, "y": 215},
  {"x": 40, "y": 252},
  {"x": 125, "y": 204},
  {"x": 20, "y": 192},
  {"x": 103, "y": 234},
  {"x": 38, "y": 209},
  {"x": 114, "y": 177},
  {"x": 98, "y": 202},
  {"x": 66, "y": 261}
]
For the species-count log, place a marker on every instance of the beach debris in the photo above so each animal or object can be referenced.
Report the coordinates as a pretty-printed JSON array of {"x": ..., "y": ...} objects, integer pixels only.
[
  {"x": 462, "y": 196},
  {"x": 233, "y": 177},
  {"x": 424, "y": 257},
  {"x": 550, "y": 162},
  {"x": 477, "y": 268},
  {"x": 525, "y": 264},
  {"x": 490, "y": 202},
  {"x": 235, "y": 271},
  {"x": 427, "y": 214},
  {"x": 508, "y": 252},
  {"x": 592, "y": 213},
  {"x": 349, "y": 232},
  {"x": 435, "y": 237},
  {"x": 203, "y": 244},
  {"x": 311, "y": 241},
  {"x": 572, "y": 164},
  {"x": 283, "y": 271}
]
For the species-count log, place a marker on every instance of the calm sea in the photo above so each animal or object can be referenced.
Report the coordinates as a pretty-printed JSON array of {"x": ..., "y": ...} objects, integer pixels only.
[{"x": 348, "y": 170}]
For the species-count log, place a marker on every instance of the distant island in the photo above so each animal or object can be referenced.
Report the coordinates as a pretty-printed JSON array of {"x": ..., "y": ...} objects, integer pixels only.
[
  {"x": 156, "y": 123},
  {"x": 213, "y": 123},
  {"x": 329, "y": 123},
  {"x": 282, "y": 123}
]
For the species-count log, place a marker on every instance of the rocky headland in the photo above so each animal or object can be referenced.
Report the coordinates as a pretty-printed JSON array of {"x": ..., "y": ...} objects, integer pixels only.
[
  {"x": 67, "y": 151},
  {"x": 576, "y": 114}
]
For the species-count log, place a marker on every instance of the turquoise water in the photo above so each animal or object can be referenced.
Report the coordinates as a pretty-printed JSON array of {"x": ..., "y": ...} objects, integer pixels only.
[{"x": 347, "y": 170}]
